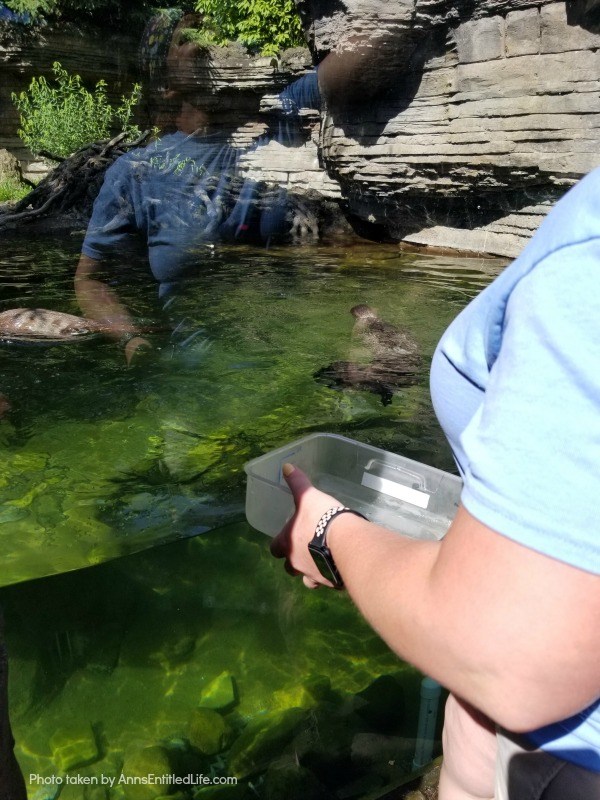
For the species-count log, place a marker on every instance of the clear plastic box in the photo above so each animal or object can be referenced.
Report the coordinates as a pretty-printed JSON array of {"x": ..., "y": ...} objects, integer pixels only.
[{"x": 397, "y": 492}]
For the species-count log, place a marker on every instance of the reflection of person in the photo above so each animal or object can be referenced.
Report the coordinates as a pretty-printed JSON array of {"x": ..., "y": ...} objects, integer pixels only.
[
  {"x": 179, "y": 192},
  {"x": 505, "y": 610}
]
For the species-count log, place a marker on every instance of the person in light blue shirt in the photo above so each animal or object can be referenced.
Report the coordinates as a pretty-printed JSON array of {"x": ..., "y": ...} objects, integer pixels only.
[{"x": 505, "y": 610}]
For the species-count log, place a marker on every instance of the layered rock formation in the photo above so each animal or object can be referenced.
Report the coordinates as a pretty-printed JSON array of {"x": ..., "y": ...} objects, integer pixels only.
[
  {"x": 450, "y": 124},
  {"x": 493, "y": 115},
  {"x": 239, "y": 92}
]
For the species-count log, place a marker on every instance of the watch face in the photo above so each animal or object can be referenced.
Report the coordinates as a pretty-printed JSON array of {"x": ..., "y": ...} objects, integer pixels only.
[{"x": 326, "y": 567}]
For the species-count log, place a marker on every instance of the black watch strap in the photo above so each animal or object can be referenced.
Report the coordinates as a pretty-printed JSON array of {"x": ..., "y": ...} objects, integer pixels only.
[{"x": 318, "y": 545}]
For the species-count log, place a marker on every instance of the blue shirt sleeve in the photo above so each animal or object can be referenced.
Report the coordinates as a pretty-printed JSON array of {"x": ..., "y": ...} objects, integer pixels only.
[
  {"x": 533, "y": 446},
  {"x": 113, "y": 216}
]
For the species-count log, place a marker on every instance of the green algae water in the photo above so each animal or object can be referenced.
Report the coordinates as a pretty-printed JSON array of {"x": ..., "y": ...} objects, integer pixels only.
[{"x": 139, "y": 646}]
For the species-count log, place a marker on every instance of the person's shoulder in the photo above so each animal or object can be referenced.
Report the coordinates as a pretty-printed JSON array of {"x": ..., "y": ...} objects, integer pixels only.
[
  {"x": 563, "y": 283},
  {"x": 574, "y": 219}
]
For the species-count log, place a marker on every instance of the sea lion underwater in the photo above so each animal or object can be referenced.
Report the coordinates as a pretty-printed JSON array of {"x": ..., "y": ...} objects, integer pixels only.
[
  {"x": 396, "y": 359},
  {"x": 40, "y": 324}
]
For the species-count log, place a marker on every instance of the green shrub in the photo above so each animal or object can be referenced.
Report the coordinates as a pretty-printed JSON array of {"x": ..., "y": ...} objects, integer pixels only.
[
  {"x": 32, "y": 7},
  {"x": 63, "y": 116},
  {"x": 266, "y": 25}
]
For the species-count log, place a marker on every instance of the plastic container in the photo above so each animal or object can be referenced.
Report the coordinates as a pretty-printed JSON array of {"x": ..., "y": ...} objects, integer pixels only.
[{"x": 397, "y": 492}]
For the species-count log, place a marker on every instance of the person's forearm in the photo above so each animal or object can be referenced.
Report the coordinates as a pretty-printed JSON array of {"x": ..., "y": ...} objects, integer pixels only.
[
  {"x": 99, "y": 302},
  {"x": 388, "y": 576},
  {"x": 474, "y": 623}
]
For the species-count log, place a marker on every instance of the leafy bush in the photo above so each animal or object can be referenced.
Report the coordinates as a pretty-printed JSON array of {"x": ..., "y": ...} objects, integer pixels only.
[
  {"x": 32, "y": 7},
  {"x": 63, "y": 117},
  {"x": 266, "y": 25}
]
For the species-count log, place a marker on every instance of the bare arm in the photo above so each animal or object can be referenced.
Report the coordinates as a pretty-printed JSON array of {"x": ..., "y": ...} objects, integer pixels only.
[
  {"x": 101, "y": 303},
  {"x": 513, "y": 632},
  {"x": 98, "y": 301}
]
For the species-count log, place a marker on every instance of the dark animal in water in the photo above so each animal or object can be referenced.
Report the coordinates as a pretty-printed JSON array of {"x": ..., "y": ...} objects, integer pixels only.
[
  {"x": 396, "y": 360},
  {"x": 12, "y": 785},
  {"x": 387, "y": 342},
  {"x": 39, "y": 324}
]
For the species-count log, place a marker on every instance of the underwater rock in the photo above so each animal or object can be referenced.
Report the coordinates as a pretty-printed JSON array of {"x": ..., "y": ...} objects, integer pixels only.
[
  {"x": 78, "y": 792},
  {"x": 263, "y": 740},
  {"x": 208, "y": 732},
  {"x": 374, "y": 748},
  {"x": 220, "y": 694},
  {"x": 319, "y": 688},
  {"x": 224, "y": 791},
  {"x": 104, "y": 650},
  {"x": 386, "y": 757},
  {"x": 324, "y": 745},
  {"x": 292, "y": 697},
  {"x": 287, "y": 778},
  {"x": 384, "y": 707},
  {"x": 74, "y": 747},
  {"x": 138, "y": 764}
]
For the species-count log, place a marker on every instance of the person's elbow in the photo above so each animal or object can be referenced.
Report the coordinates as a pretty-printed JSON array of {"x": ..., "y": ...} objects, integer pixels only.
[{"x": 525, "y": 702}]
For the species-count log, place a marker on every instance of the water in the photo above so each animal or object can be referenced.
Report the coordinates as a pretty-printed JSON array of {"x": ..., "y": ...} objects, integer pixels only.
[{"x": 100, "y": 461}]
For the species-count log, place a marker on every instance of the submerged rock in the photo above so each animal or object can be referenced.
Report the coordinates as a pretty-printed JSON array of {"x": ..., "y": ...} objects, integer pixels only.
[
  {"x": 287, "y": 778},
  {"x": 263, "y": 740},
  {"x": 208, "y": 732},
  {"x": 74, "y": 747},
  {"x": 220, "y": 694},
  {"x": 139, "y": 763},
  {"x": 384, "y": 707}
]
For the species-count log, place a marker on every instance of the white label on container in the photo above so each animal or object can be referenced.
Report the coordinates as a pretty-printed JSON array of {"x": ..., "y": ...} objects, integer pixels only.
[{"x": 385, "y": 486}]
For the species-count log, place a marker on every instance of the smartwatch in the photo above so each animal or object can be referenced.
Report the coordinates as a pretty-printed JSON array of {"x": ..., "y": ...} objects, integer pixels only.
[{"x": 318, "y": 549}]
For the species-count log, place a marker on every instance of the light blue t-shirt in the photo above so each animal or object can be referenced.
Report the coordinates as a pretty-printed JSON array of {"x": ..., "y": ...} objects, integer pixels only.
[{"x": 515, "y": 383}]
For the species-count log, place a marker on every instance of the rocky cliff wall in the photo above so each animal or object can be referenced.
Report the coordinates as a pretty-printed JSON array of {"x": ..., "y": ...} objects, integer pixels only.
[
  {"x": 495, "y": 113},
  {"x": 456, "y": 125},
  {"x": 239, "y": 89}
]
